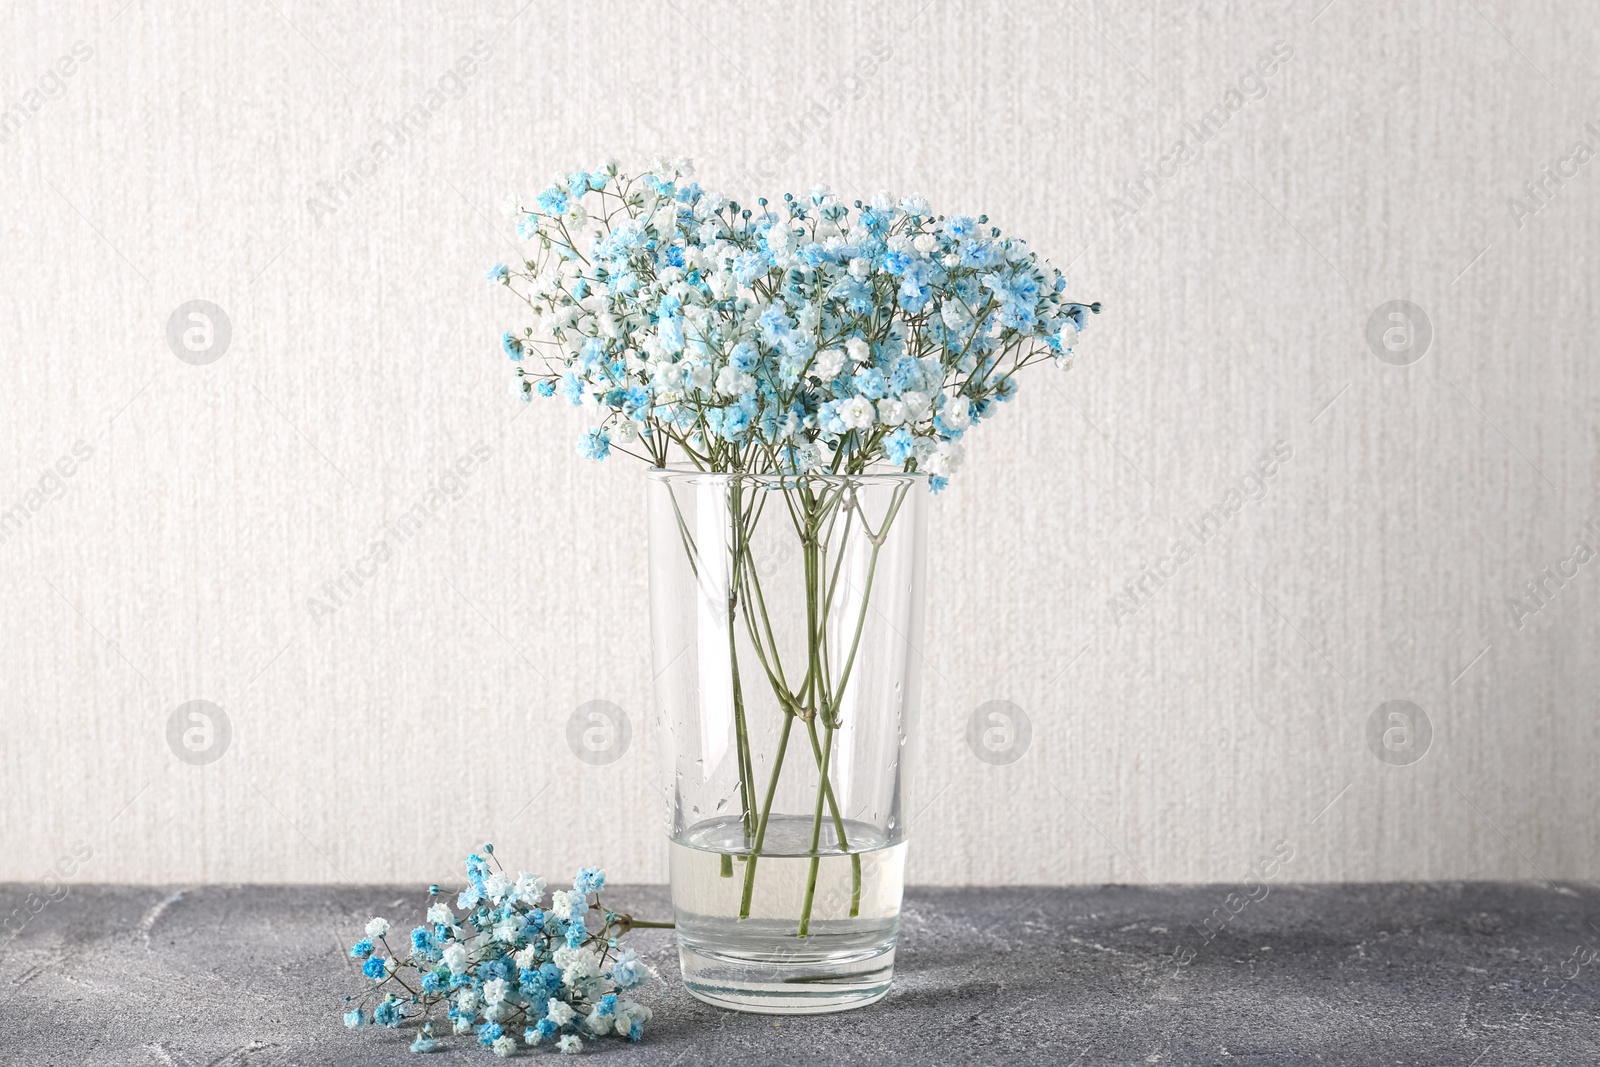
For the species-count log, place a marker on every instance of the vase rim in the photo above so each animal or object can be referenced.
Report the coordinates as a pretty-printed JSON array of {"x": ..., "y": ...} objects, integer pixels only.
[{"x": 674, "y": 473}]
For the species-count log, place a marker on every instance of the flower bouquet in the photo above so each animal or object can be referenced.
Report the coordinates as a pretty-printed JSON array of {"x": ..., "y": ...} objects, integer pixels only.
[
  {"x": 513, "y": 968},
  {"x": 797, "y": 375}
]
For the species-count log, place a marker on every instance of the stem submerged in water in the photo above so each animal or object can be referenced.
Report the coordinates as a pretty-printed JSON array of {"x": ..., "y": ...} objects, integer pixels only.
[
  {"x": 766, "y": 813},
  {"x": 815, "y": 516}
]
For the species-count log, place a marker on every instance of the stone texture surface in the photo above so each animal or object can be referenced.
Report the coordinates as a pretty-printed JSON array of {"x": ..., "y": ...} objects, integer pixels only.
[{"x": 1483, "y": 974}]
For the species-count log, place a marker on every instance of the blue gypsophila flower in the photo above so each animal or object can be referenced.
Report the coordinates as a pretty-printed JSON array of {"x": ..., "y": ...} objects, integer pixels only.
[
  {"x": 374, "y": 968},
  {"x": 553, "y": 200},
  {"x": 497, "y": 273},
  {"x": 595, "y": 444},
  {"x": 898, "y": 446},
  {"x": 390, "y": 1013},
  {"x": 589, "y": 880},
  {"x": 361, "y": 949},
  {"x": 512, "y": 346}
]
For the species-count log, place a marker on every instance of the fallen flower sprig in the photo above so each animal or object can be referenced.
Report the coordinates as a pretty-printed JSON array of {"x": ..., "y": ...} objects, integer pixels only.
[{"x": 510, "y": 961}]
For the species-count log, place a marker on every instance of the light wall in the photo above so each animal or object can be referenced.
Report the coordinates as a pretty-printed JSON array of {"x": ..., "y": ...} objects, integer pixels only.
[{"x": 198, "y": 154}]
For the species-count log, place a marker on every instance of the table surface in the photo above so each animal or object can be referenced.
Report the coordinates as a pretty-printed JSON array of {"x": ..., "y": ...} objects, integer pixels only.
[{"x": 254, "y": 976}]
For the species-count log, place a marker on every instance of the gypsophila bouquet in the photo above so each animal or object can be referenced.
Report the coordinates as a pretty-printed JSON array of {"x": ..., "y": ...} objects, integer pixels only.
[
  {"x": 803, "y": 337},
  {"x": 510, "y": 964}
]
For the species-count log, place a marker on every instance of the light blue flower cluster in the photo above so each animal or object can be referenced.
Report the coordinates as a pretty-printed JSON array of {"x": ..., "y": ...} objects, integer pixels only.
[
  {"x": 802, "y": 337},
  {"x": 510, "y": 964}
]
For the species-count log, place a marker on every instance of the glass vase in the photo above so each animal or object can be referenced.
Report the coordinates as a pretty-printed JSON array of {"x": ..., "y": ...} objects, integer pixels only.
[{"x": 786, "y": 615}]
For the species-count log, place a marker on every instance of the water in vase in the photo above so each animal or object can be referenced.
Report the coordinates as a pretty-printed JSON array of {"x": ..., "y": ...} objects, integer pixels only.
[{"x": 760, "y": 962}]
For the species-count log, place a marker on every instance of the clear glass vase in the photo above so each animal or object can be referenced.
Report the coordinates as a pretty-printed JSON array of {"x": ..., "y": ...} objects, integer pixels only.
[{"x": 786, "y": 613}]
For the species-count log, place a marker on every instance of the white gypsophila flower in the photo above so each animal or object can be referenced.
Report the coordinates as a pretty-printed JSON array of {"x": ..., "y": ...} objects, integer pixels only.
[
  {"x": 700, "y": 377},
  {"x": 467, "y": 1000},
  {"x": 527, "y": 958},
  {"x": 856, "y": 413},
  {"x": 957, "y": 413},
  {"x": 504, "y": 1046},
  {"x": 511, "y": 207},
  {"x": 858, "y": 350},
  {"x": 731, "y": 381},
  {"x": 507, "y": 930},
  {"x": 860, "y": 269},
  {"x": 564, "y": 905},
  {"x": 440, "y": 914},
  {"x": 828, "y": 363},
  {"x": 891, "y": 412},
  {"x": 495, "y": 990},
  {"x": 559, "y": 1012},
  {"x": 576, "y": 964},
  {"x": 496, "y": 886},
  {"x": 925, "y": 243},
  {"x": 668, "y": 377},
  {"x": 598, "y": 1024},
  {"x": 377, "y": 928},
  {"x": 455, "y": 957},
  {"x": 570, "y": 1044},
  {"x": 918, "y": 405},
  {"x": 946, "y": 459},
  {"x": 629, "y": 1013},
  {"x": 809, "y": 318}
]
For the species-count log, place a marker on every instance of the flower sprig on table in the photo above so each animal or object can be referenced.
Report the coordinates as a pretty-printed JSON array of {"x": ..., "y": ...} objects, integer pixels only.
[
  {"x": 805, "y": 336},
  {"x": 510, "y": 962}
]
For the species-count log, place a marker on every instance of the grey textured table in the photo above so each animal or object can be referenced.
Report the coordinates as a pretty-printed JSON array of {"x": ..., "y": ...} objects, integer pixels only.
[{"x": 229, "y": 976}]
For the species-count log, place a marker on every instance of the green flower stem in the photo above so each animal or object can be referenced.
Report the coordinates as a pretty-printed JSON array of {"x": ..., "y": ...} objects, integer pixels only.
[
  {"x": 746, "y": 772},
  {"x": 838, "y": 823},
  {"x": 766, "y": 813},
  {"x": 816, "y": 827},
  {"x": 877, "y": 540},
  {"x": 741, "y": 551}
]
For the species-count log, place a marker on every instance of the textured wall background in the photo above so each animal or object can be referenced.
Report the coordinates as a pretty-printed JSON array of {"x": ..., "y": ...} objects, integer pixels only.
[{"x": 1227, "y": 709}]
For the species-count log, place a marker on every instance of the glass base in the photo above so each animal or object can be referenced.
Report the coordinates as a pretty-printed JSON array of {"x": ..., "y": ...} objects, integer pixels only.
[
  {"x": 783, "y": 984},
  {"x": 847, "y": 904}
]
